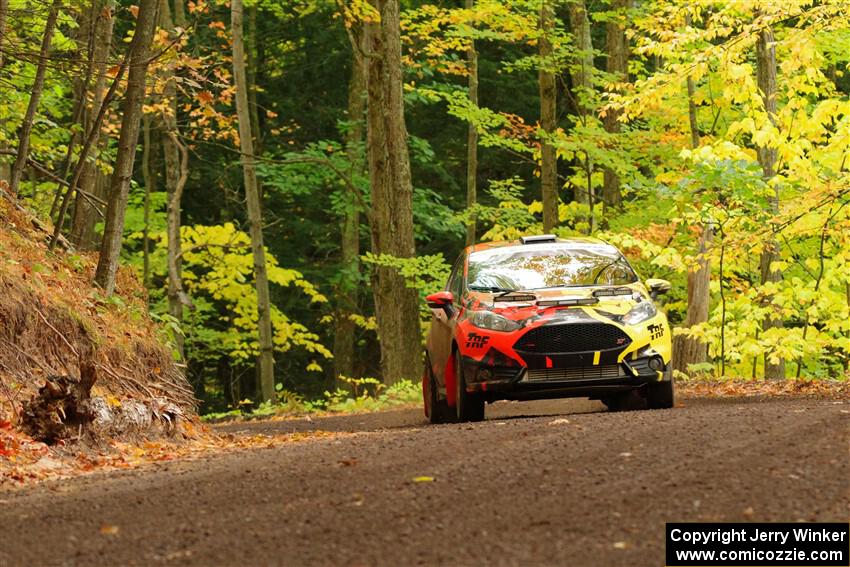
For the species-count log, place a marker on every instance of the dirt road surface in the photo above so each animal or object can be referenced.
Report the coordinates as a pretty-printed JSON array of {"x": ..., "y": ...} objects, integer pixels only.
[{"x": 543, "y": 483}]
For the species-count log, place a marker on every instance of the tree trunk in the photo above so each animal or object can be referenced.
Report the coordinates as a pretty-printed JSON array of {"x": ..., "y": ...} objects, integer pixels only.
[
  {"x": 617, "y": 46},
  {"x": 766, "y": 66},
  {"x": 396, "y": 304},
  {"x": 131, "y": 114},
  {"x": 692, "y": 113},
  {"x": 176, "y": 173},
  {"x": 548, "y": 118},
  {"x": 80, "y": 82},
  {"x": 688, "y": 351},
  {"x": 472, "y": 135},
  {"x": 4, "y": 12},
  {"x": 583, "y": 64},
  {"x": 148, "y": 178},
  {"x": 91, "y": 138},
  {"x": 345, "y": 330},
  {"x": 179, "y": 14},
  {"x": 252, "y": 194},
  {"x": 85, "y": 214},
  {"x": 582, "y": 87},
  {"x": 252, "y": 70},
  {"x": 85, "y": 35},
  {"x": 35, "y": 97},
  {"x": 5, "y": 167},
  {"x": 176, "y": 176}
]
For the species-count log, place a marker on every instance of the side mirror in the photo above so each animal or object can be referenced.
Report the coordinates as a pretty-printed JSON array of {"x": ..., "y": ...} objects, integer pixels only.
[
  {"x": 441, "y": 300},
  {"x": 657, "y": 287}
]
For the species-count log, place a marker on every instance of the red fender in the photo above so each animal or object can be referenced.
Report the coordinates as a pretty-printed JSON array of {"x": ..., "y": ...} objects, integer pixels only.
[{"x": 451, "y": 380}]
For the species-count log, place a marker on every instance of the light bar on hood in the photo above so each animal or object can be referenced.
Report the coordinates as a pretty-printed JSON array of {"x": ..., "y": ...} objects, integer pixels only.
[
  {"x": 538, "y": 239},
  {"x": 568, "y": 302},
  {"x": 612, "y": 291},
  {"x": 515, "y": 297}
]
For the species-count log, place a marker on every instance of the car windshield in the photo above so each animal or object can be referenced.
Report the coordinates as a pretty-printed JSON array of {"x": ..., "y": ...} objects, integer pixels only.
[{"x": 548, "y": 266}]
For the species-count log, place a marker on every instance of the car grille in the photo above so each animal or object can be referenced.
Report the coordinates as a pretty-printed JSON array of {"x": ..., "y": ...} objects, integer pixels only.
[
  {"x": 574, "y": 337},
  {"x": 505, "y": 372},
  {"x": 576, "y": 373}
]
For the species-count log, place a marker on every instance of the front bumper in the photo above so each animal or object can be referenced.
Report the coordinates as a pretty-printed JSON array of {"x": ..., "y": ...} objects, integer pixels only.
[{"x": 506, "y": 382}]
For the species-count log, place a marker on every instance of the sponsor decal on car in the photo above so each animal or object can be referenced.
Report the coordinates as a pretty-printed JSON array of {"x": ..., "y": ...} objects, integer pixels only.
[
  {"x": 474, "y": 340},
  {"x": 656, "y": 331}
]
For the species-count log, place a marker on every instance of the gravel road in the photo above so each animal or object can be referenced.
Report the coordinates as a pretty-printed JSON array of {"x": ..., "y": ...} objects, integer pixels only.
[{"x": 542, "y": 483}]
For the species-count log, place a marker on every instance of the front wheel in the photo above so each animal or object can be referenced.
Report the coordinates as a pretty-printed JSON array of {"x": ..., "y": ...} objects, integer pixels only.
[
  {"x": 661, "y": 394},
  {"x": 436, "y": 410},
  {"x": 468, "y": 406},
  {"x": 630, "y": 400}
]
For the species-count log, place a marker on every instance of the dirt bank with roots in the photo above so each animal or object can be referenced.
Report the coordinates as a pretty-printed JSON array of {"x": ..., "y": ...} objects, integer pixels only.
[{"x": 73, "y": 362}]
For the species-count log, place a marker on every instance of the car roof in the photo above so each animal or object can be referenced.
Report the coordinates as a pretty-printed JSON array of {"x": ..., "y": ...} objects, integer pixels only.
[{"x": 566, "y": 243}]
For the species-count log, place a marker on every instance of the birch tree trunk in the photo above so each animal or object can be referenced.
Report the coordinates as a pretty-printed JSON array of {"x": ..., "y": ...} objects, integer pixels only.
[
  {"x": 617, "y": 64},
  {"x": 766, "y": 71},
  {"x": 471, "y": 135},
  {"x": 345, "y": 329},
  {"x": 35, "y": 97},
  {"x": 131, "y": 114},
  {"x": 252, "y": 194},
  {"x": 396, "y": 305},
  {"x": 548, "y": 118}
]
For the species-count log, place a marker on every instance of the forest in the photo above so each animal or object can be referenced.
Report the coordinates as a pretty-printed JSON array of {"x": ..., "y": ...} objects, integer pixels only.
[{"x": 288, "y": 179}]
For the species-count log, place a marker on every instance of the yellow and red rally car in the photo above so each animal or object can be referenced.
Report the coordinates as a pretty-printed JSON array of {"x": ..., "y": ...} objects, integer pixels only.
[{"x": 544, "y": 317}]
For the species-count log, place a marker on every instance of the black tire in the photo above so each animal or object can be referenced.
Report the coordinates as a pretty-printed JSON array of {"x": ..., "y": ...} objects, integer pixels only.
[
  {"x": 468, "y": 407},
  {"x": 661, "y": 394},
  {"x": 436, "y": 410},
  {"x": 625, "y": 401}
]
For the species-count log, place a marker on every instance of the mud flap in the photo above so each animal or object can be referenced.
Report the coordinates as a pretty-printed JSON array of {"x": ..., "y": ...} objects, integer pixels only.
[{"x": 451, "y": 380}]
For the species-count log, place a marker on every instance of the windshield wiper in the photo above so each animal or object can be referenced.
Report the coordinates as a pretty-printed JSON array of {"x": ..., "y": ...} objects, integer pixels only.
[
  {"x": 492, "y": 288},
  {"x": 564, "y": 285},
  {"x": 605, "y": 267}
]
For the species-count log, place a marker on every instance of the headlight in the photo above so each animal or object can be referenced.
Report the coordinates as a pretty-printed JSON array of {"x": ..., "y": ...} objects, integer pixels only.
[
  {"x": 639, "y": 313},
  {"x": 491, "y": 321}
]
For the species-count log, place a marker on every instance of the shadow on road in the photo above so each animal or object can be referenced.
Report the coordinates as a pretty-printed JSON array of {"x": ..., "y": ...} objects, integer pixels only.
[{"x": 405, "y": 418}]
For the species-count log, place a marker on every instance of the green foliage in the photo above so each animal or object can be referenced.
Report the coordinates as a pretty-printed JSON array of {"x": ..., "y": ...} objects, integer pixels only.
[
  {"x": 375, "y": 396},
  {"x": 314, "y": 176},
  {"x": 425, "y": 273}
]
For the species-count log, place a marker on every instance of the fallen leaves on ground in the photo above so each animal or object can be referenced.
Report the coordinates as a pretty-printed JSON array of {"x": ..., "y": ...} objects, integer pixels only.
[
  {"x": 24, "y": 461},
  {"x": 423, "y": 479},
  {"x": 772, "y": 388}
]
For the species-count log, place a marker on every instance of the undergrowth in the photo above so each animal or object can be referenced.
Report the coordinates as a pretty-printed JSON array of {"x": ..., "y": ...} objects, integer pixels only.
[{"x": 359, "y": 395}]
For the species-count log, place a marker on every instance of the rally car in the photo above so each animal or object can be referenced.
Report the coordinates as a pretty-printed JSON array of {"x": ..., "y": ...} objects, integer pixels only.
[{"x": 544, "y": 317}]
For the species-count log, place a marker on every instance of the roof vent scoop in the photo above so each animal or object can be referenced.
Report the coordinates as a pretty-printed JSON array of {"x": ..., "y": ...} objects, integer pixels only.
[{"x": 538, "y": 239}]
